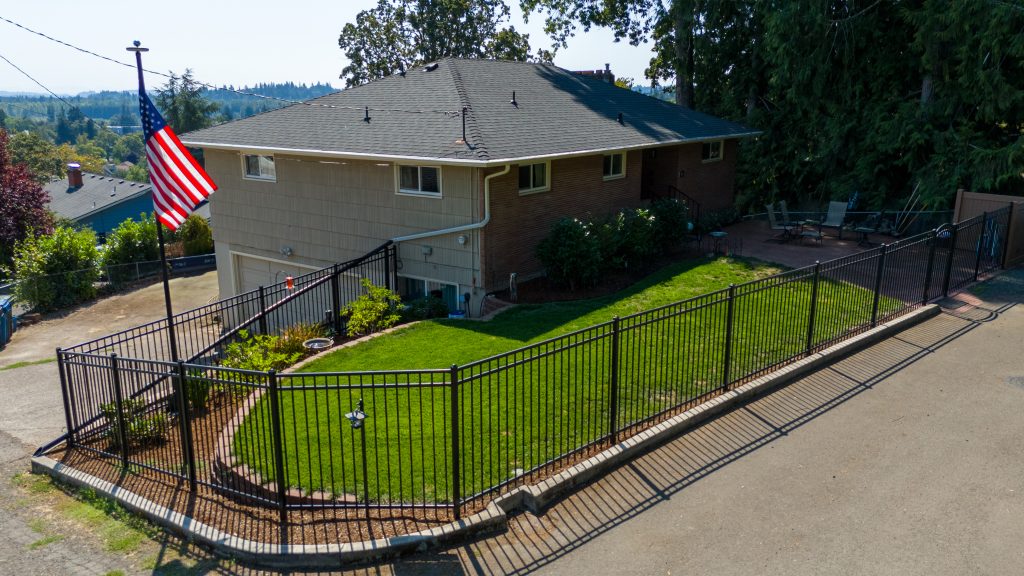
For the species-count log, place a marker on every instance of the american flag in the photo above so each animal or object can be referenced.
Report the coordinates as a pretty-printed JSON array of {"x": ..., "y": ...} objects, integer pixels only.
[{"x": 179, "y": 182}]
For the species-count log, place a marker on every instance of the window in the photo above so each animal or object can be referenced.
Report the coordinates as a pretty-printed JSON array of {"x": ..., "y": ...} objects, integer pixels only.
[
  {"x": 533, "y": 177},
  {"x": 614, "y": 165},
  {"x": 711, "y": 151},
  {"x": 260, "y": 167},
  {"x": 423, "y": 180}
]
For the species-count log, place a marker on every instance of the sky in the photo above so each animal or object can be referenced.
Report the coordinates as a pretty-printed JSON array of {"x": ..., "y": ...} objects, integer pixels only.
[{"x": 224, "y": 42}]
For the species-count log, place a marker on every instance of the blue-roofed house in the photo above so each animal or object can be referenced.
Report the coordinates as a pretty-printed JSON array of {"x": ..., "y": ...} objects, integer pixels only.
[{"x": 97, "y": 201}]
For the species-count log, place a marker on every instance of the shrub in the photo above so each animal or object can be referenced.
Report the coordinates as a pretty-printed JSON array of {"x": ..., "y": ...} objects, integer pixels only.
[
  {"x": 376, "y": 310},
  {"x": 716, "y": 219},
  {"x": 571, "y": 254},
  {"x": 56, "y": 271},
  {"x": 608, "y": 233},
  {"x": 196, "y": 236},
  {"x": 293, "y": 336},
  {"x": 132, "y": 241},
  {"x": 671, "y": 222},
  {"x": 639, "y": 243},
  {"x": 139, "y": 428},
  {"x": 424, "y": 308},
  {"x": 197, "y": 390},
  {"x": 257, "y": 352}
]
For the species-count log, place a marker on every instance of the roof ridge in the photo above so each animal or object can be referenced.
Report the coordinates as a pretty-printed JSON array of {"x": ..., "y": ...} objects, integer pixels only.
[{"x": 478, "y": 146}]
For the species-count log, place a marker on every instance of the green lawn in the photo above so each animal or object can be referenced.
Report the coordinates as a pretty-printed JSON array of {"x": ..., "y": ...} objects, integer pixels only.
[{"x": 523, "y": 409}]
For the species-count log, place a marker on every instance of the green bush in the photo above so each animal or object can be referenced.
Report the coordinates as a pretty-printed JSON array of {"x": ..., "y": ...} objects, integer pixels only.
[
  {"x": 132, "y": 241},
  {"x": 56, "y": 271},
  {"x": 196, "y": 236},
  {"x": 671, "y": 222},
  {"x": 258, "y": 352},
  {"x": 716, "y": 219},
  {"x": 571, "y": 254},
  {"x": 608, "y": 233},
  {"x": 141, "y": 429},
  {"x": 197, "y": 390},
  {"x": 424, "y": 308},
  {"x": 376, "y": 310},
  {"x": 639, "y": 242}
]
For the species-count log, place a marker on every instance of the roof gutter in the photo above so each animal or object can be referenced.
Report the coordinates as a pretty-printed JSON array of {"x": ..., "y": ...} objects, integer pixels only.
[{"x": 464, "y": 227}]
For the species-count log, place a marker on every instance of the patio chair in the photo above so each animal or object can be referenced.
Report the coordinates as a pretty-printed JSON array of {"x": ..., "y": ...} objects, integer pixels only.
[
  {"x": 785, "y": 214},
  {"x": 775, "y": 224},
  {"x": 835, "y": 217},
  {"x": 868, "y": 226}
]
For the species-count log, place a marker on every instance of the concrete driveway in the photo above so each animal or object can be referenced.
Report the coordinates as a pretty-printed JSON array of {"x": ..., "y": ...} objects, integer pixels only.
[{"x": 31, "y": 410}]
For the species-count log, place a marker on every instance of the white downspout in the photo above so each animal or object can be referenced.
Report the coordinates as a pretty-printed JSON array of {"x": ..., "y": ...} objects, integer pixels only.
[{"x": 464, "y": 227}]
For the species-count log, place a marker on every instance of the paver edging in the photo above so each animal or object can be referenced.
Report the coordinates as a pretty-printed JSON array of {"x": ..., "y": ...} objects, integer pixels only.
[{"x": 532, "y": 498}]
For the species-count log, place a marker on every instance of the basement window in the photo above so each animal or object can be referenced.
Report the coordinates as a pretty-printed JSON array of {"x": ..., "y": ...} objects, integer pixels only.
[
  {"x": 614, "y": 166},
  {"x": 419, "y": 180},
  {"x": 259, "y": 167},
  {"x": 711, "y": 151},
  {"x": 534, "y": 177}
]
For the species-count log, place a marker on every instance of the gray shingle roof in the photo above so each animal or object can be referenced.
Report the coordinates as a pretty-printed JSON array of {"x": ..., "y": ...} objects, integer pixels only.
[
  {"x": 97, "y": 193},
  {"x": 418, "y": 116}
]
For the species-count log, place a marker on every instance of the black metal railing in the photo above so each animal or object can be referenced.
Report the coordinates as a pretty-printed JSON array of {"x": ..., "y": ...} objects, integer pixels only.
[{"x": 437, "y": 443}]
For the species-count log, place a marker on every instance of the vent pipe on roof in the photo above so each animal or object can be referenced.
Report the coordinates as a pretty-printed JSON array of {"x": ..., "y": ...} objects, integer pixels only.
[
  {"x": 430, "y": 67},
  {"x": 620, "y": 119},
  {"x": 401, "y": 69},
  {"x": 464, "y": 124},
  {"x": 366, "y": 114},
  {"x": 513, "y": 100}
]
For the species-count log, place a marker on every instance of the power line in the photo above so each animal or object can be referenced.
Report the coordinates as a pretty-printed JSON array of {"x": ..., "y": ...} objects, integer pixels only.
[
  {"x": 450, "y": 113},
  {"x": 38, "y": 83}
]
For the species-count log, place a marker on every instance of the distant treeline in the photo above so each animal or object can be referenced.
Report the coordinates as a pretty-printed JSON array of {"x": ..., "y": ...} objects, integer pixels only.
[{"x": 120, "y": 108}]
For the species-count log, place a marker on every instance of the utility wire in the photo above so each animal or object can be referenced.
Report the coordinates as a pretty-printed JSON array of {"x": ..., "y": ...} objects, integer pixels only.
[{"x": 450, "y": 113}]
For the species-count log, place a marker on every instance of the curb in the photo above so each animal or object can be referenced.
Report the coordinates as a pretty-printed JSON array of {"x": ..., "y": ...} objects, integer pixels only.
[{"x": 533, "y": 498}]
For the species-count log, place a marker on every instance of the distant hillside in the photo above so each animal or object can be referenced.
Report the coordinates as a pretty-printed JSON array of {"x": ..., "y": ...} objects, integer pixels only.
[{"x": 120, "y": 108}]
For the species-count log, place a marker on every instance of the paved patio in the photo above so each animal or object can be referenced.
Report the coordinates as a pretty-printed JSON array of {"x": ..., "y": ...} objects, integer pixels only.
[{"x": 755, "y": 239}]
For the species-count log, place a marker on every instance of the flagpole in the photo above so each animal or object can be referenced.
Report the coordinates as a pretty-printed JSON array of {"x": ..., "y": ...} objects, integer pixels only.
[{"x": 171, "y": 339}]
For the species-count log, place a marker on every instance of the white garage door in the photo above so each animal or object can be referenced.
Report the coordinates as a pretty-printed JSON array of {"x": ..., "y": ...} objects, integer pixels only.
[{"x": 252, "y": 272}]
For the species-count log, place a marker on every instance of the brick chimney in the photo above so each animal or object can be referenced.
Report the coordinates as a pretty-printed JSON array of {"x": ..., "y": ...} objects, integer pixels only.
[
  {"x": 605, "y": 75},
  {"x": 74, "y": 175}
]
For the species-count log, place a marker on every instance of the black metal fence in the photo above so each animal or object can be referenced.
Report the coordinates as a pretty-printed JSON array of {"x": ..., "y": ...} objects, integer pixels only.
[{"x": 441, "y": 442}]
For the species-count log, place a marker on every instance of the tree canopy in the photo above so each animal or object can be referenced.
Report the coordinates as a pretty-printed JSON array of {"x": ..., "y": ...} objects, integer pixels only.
[
  {"x": 872, "y": 98},
  {"x": 183, "y": 104},
  {"x": 24, "y": 204},
  {"x": 401, "y": 33}
]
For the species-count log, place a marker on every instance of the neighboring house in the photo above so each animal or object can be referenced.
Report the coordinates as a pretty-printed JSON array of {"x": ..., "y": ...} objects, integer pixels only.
[
  {"x": 97, "y": 201},
  {"x": 467, "y": 196}
]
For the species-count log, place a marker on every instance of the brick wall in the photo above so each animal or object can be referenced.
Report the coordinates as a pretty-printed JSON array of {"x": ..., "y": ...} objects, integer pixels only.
[
  {"x": 711, "y": 184},
  {"x": 519, "y": 222}
]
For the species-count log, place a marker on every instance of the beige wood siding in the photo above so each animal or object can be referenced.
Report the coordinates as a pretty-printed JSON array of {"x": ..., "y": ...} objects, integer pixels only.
[{"x": 328, "y": 212}]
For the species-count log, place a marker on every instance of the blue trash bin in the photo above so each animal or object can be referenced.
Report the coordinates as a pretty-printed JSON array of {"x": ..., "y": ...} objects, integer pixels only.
[{"x": 6, "y": 319}]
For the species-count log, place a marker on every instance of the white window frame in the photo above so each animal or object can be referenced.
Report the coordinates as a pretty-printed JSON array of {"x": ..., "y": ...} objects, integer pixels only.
[
  {"x": 260, "y": 177},
  {"x": 419, "y": 178},
  {"x": 710, "y": 144},
  {"x": 614, "y": 176},
  {"x": 535, "y": 189}
]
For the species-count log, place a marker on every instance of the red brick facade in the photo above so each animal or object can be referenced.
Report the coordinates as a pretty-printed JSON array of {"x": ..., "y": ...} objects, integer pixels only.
[{"x": 578, "y": 189}]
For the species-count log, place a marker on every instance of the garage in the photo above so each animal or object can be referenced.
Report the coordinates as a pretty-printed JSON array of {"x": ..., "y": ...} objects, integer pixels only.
[{"x": 251, "y": 272}]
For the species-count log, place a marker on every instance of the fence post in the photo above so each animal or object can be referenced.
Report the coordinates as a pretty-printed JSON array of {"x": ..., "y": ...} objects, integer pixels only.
[
  {"x": 949, "y": 262},
  {"x": 931, "y": 265},
  {"x": 336, "y": 302},
  {"x": 456, "y": 471},
  {"x": 814, "y": 306},
  {"x": 613, "y": 400},
  {"x": 122, "y": 430},
  {"x": 980, "y": 246},
  {"x": 878, "y": 285},
  {"x": 275, "y": 424},
  {"x": 65, "y": 393},
  {"x": 728, "y": 335},
  {"x": 387, "y": 267},
  {"x": 263, "y": 311},
  {"x": 185, "y": 419},
  {"x": 1011, "y": 214}
]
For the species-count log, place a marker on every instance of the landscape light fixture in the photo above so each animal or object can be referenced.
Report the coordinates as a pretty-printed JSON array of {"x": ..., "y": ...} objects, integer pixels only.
[{"x": 357, "y": 416}]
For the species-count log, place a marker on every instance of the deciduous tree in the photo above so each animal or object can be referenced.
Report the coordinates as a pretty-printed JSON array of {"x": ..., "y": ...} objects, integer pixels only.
[{"x": 24, "y": 204}]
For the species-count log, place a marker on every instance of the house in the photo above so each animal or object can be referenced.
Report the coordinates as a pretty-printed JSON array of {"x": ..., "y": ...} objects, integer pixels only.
[
  {"x": 97, "y": 201},
  {"x": 465, "y": 163}
]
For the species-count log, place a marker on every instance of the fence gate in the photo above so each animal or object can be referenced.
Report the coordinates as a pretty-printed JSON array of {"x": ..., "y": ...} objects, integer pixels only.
[{"x": 972, "y": 204}]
